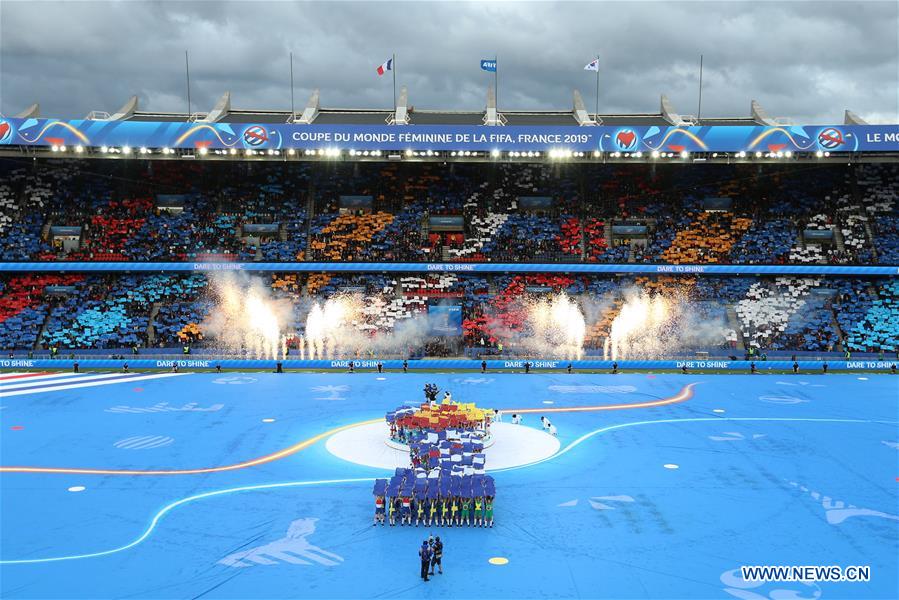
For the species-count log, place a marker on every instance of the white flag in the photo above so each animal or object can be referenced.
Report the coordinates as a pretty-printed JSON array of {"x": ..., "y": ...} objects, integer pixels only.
[{"x": 593, "y": 65}]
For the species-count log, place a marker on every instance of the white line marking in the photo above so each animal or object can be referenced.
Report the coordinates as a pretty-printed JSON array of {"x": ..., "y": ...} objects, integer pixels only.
[
  {"x": 50, "y": 380},
  {"x": 5, "y": 394},
  {"x": 169, "y": 507}
]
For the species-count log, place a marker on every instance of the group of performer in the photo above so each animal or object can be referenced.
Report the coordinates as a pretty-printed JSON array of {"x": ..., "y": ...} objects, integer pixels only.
[
  {"x": 446, "y": 484},
  {"x": 446, "y": 512}
]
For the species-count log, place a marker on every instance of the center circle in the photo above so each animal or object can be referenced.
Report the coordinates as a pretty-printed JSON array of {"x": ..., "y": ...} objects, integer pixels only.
[{"x": 513, "y": 446}]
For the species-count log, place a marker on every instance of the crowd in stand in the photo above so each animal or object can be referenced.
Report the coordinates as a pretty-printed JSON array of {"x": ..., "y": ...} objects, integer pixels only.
[
  {"x": 149, "y": 211},
  {"x": 509, "y": 213},
  {"x": 164, "y": 311}
]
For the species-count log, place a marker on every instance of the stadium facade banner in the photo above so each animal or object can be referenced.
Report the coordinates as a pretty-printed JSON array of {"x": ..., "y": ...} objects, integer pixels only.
[
  {"x": 65, "y": 231},
  {"x": 818, "y": 235},
  {"x": 717, "y": 203},
  {"x": 171, "y": 200},
  {"x": 254, "y": 228},
  {"x": 350, "y": 267},
  {"x": 150, "y": 134},
  {"x": 355, "y": 202},
  {"x": 493, "y": 365},
  {"x": 629, "y": 229},
  {"x": 442, "y": 223},
  {"x": 535, "y": 202},
  {"x": 445, "y": 320}
]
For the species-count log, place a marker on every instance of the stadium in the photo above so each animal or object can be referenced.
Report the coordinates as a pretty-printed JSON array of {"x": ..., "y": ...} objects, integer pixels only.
[{"x": 258, "y": 353}]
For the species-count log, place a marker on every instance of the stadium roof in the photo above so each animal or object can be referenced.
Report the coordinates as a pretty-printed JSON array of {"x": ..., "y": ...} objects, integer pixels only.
[{"x": 405, "y": 113}]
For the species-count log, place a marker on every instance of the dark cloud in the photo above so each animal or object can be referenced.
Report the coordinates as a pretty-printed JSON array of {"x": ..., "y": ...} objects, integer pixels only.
[{"x": 805, "y": 60}]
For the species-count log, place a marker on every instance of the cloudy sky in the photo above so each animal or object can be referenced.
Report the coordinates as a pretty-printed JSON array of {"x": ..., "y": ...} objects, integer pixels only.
[{"x": 807, "y": 60}]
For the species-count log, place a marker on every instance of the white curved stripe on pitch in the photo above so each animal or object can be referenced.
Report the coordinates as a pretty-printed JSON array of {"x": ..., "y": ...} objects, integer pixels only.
[
  {"x": 4, "y": 393},
  {"x": 55, "y": 380},
  {"x": 15, "y": 375},
  {"x": 37, "y": 379},
  {"x": 144, "y": 442},
  {"x": 128, "y": 442},
  {"x": 157, "y": 444},
  {"x": 159, "y": 440}
]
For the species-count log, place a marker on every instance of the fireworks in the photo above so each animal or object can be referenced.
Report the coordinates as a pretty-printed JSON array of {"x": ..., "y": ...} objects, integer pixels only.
[
  {"x": 555, "y": 327},
  {"x": 245, "y": 318},
  {"x": 638, "y": 327},
  {"x": 661, "y": 325},
  {"x": 331, "y": 328}
]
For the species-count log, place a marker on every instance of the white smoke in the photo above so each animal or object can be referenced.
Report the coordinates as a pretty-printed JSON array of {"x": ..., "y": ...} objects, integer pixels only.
[
  {"x": 551, "y": 326},
  {"x": 341, "y": 327},
  {"x": 245, "y": 318},
  {"x": 653, "y": 326}
]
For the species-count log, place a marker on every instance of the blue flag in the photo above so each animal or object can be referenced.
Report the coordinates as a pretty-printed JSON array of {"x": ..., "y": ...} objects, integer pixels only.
[{"x": 488, "y": 64}]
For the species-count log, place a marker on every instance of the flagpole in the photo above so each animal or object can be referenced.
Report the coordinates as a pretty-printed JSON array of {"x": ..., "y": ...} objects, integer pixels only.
[
  {"x": 187, "y": 72},
  {"x": 596, "y": 114},
  {"x": 699, "y": 110},
  {"x": 293, "y": 112},
  {"x": 496, "y": 81},
  {"x": 393, "y": 64}
]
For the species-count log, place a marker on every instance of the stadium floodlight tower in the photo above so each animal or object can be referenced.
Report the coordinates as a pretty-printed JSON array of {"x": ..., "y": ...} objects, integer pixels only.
[
  {"x": 400, "y": 114},
  {"x": 220, "y": 111},
  {"x": 491, "y": 115},
  {"x": 760, "y": 116},
  {"x": 580, "y": 112},
  {"x": 310, "y": 112},
  {"x": 32, "y": 112},
  {"x": 123, "y": 114},
  {"x": 670, "y": 115},
  {"x": 850, "y": 118}
]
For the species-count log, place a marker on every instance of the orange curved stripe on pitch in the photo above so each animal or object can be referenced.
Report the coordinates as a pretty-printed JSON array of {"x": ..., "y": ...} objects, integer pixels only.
[
  {"x": 242, "y": 465},
  {"x": 685, "y": 394}
]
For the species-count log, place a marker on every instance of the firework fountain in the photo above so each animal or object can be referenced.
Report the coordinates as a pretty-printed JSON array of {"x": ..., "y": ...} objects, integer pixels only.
[
  {"x": 330, "y": 328},
  {"x": 658, "y": 326},
  {"x": 553, "y": 326},
  {"x": 246, "y": 318}
]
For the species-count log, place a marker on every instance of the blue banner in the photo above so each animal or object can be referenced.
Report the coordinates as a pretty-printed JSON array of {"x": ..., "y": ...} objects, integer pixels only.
[
  {"x": 251, "y": 228},
  {"x": 446, "y": 223},
  {"x": 535, "y": 202},
  {"x": 445, "y": 319},
  {"x": 488, "y": 64},
  {"x": 65, "y": 230},
  {"x": 335, "y": 267},
  {"x": 737, "y": 366},
  {"x": 170, "y": 200},
  {"x": 716, "y": 203},
  {"x": 268, "y": 136},
  {"x": 629, "y": 229},
  {"x": 355, "y": 201},
  {"x": 59, "y": 289},
  {"x": 818, "y": 235}
]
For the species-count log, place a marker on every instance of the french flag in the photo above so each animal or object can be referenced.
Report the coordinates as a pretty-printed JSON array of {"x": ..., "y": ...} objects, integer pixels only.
[{"x": 387, "y": 66}]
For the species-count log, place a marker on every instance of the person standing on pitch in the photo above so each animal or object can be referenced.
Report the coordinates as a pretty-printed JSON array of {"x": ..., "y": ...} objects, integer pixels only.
[
  {"x": 488, "y": 512},
  {"x": 425, "y": 554},
  {"x": 437, "y": 555},
  {"x": 483, "y": 366},
  {"x": 419, "y": 511},
  {"x": 405, "y": 366}
]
